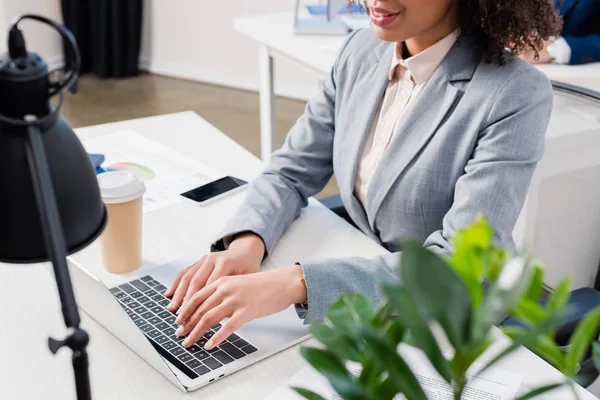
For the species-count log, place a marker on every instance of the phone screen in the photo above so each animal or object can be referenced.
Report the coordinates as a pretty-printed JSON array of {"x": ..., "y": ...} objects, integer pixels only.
[{"x": 213, "y": 189}]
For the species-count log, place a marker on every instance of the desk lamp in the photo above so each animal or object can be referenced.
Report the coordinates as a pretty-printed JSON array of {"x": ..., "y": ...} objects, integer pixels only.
[{"x": 50, "y": 204}]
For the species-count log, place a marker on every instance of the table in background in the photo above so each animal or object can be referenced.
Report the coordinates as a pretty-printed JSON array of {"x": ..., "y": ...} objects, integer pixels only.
[
  {"x": 275, "y": 36},
  {"x": 29, "y": 307}
]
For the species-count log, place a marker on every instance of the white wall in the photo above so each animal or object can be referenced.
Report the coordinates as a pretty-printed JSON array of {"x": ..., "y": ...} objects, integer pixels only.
[
  {"x": 40, "y": 39},
  {"x": 196, "y": 40}
]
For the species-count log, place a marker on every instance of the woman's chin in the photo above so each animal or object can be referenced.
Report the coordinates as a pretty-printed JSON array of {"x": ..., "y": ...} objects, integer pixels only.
[{"x": 387, "y": 35}]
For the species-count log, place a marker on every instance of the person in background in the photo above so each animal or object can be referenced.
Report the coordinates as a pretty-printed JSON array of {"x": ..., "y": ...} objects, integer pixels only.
[
  {"x": 580, "y": 39},
  {"x": 425, "y": 119}
]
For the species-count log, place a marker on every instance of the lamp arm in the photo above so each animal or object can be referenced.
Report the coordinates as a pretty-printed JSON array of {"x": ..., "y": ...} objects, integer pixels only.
[{"x": 56, "y": 247}]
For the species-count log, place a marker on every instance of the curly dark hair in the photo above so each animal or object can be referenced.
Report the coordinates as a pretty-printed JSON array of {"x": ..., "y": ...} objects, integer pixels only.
[{"x": 516, "y": 25}]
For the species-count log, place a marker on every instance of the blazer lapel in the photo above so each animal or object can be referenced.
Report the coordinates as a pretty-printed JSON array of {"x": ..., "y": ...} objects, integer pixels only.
[
  {"x": 371, "y": 83},
  {"x": 431, "y": 108}
]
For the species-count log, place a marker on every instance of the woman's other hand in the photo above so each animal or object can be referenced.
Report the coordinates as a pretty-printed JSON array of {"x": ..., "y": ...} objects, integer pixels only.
[
  {"x": 243, "y": 256},
  {"x": 241, "y": 299}
]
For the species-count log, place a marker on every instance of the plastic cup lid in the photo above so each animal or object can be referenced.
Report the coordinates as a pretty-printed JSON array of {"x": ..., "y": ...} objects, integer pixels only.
[{"x": 120, "y": 187}]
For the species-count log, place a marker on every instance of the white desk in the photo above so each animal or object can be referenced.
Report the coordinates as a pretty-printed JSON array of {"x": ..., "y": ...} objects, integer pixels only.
[
  {"x": 275, "y": 36},
  {"x": 29, "y": 308}
]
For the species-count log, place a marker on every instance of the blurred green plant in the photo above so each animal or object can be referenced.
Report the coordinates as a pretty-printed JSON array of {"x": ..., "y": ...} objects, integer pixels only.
[{"x": 446, "y": 292}]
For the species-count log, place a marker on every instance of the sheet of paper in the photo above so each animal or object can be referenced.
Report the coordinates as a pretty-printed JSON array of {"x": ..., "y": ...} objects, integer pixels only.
[
  {"x": 166, "y": 172},
  {"x": 494, "y": 384}
]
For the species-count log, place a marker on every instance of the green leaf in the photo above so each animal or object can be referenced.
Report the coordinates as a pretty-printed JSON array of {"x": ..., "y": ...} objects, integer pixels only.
[
  {"x": 581, "y": 340},
  {"x": 387, "y": 359},
  {"x": 503, "y": 296},
  {"x": 596, "y": 354},
  {"x": 560, "y": 297},
  {"x": 418, "y": 330},
  {"x": 536, "y": 285},
  {"x": 437, "y": 291},
  {"x": 350, "y": 311},
  {"x": 541, "y": 390},
  {"x": 477, "y": 235},
  {"x": 307, "y": 394},
  {"x": 342, "y": 345},
  {"x": 529, "y": 312},
  {"x": 544, "y": 346},
  {"x": 333, "y": 369},
  {"x": 530, "y": 336}
]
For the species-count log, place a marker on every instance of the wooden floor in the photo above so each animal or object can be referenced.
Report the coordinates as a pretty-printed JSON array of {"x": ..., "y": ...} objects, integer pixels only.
[{"x": 234, "y": 112}]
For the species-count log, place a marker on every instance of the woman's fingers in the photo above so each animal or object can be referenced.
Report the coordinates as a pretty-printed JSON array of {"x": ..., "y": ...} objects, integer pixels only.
[
  {"x": 197, "y": 314},
  {"x": 190, "y": 307},
  {"x": 210, "y": 318},
  {"x": 218, "y": 272},
  {"x": 227, "y": 329},
  {"x": 199, "y": 280},
  {"x": 182, "y": 287},
  {"x": 171, "y": 290}
]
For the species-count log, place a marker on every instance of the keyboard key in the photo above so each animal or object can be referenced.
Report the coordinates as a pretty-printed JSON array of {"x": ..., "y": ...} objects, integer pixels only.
[
  {"x": 115, "y": 290},
  {"x": 127, "y": 288},
  {"x": 216, "y": 327},
  {"x": 126, "y": 300},
  {"x": 152, "y": 283},
  {"x": 121, "y": 295},
  {"x": 139, "y": 310},
  {"x": 160, "y": 288},
  {"x": 169, "y": 345},
  {"x": 231, "y": 350},
  {"x": 201, "y": 370},
  {"x": 209, "y": 334},
  {"x": 156, "y": 309},
  {"x": 146, "y": 328},
  {"x": 162, "y": 326},
  {"x": 169, "y": 332},
  {"x": 166, "y": 315},
  {"x": 129, "y": 312},
  {"x": 155, "y": 321},
  {"x": 161, "y": 339},
  {"x": 147, "y": 302},
  {"x": 177, "y": 351},
  {"x": 222, "y": 357},
  {"x": 233, "y": 337},
  {"x": 147, "y": 315},
  {"x": 249, "y": 349},
  {"x": 136, "y": 295},
  {"x": 139, "y": 321},
  {"x": 201, "y": 342},
  {"x": 185, "y": 357},
  {"x": 212, "y": 363},
  {"x": 146, "y": 278},
  {"x": 193, "y": 363},
  {"x": 201, "y": 355},
  {"x": 240, "y": 343},
  {"x": 139, "y": 285},
  {"x": 156, "y": 297},
  {"x": 164, "y": 302},
  {"x": 154, "y": 333},
  {"x": 194, "y": 348}
]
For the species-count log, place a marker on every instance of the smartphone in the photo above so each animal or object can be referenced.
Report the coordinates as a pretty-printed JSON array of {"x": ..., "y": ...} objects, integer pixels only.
[{"x": 214, "y": 190}]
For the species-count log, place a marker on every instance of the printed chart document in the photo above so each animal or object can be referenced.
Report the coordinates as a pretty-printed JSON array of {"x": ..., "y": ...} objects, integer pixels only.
[
  {"x": 494, "y": 384},
  {"x": 165, "y": 172}
]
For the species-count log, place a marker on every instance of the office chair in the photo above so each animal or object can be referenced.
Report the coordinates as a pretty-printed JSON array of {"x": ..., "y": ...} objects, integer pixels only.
[{"x": 582, "y": 301}]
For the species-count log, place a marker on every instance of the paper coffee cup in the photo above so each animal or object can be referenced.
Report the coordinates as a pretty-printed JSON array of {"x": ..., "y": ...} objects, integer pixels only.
[{"x": 121, "y": 241}]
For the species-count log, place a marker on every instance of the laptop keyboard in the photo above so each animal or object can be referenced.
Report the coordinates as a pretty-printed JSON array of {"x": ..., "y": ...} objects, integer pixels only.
[{"x": 144, "y": 301}]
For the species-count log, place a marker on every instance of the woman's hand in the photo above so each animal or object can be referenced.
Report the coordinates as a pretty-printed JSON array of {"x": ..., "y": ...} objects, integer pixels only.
[
  {"x": 241, "y": 299},
  {"x": 243, "y": 256}
]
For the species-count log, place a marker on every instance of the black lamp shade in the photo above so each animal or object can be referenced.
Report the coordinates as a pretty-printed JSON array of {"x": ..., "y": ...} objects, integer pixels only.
[{"x": 80, "y": 206}]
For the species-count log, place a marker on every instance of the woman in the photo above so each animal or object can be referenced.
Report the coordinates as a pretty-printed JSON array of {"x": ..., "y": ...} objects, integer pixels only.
[{"x": 425, "y": 119}]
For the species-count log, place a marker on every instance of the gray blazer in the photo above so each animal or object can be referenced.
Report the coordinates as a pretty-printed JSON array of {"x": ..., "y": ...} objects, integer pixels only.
[{"x": 470, "y": 144}]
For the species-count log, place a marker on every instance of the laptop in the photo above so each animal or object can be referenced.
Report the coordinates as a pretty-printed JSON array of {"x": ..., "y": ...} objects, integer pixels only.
[{"x": 135, "y": 312}]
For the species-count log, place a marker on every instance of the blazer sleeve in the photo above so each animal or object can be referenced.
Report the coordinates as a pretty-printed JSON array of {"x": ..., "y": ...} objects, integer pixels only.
[
  {"x": 495, "y": 181},
  {"x": 300, "y": 169},
  {"x": 584, "y": 49}
]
